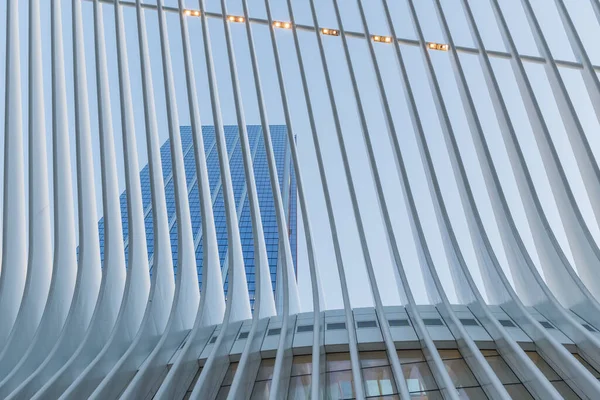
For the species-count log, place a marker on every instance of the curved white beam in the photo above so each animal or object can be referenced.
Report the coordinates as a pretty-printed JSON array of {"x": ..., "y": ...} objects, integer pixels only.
[
  {"x": 561, "y": 276},
  {"x": 89, "y": 271},
  {"x": 490, "y": 383},
  {"x": 238, "y": 305},
  {"x": 137, "y": 281},
  {"x": 75, "y": 331},
  {"x": 466, "y": 288},
  {"x": 39, "y": 267},
  {"x": 349, "y": 316},
  {"x": 212, "y": 307},
  {"x": 261, "y": 260},
  {"x": 212, "y": 303},
  {"x": 14, "y": 245},
  {"x": 187, "y": 295},
  {"x": 162, "y": 282},
  {"x": 65, "y": 261},
  {"x": 237, "y": 292},
  {"x": 112, "y": 285}
]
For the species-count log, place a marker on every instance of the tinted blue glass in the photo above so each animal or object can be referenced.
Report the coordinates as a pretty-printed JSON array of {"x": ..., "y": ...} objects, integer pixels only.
[{"x": 286, "y": 182}]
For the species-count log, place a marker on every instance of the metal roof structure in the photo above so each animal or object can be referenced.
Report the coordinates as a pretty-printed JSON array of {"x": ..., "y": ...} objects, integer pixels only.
[{"x": 73, "y": 327}]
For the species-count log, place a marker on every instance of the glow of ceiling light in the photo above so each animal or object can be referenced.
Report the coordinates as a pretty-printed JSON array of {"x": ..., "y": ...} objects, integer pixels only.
[
  {"x": 438, "y": 46},
  {"x": 235, "y": 18},
  {"x": 330, "y": 32},
  {"x": 190, "y": 13},
  {"x": 280, "y": 24},
  {"x": 381, "y": 39}
]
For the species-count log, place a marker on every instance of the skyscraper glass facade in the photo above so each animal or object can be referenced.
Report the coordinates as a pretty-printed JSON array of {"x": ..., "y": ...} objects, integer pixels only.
[{"x": 287, "y": 184}]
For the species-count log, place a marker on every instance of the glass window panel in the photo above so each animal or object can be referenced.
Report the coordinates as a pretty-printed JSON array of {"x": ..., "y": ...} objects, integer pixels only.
[
  {"x": 223, "y": 392},
  {"x": 300, "y": 387},
  {"x": 518, "y": 391},
  {"x": 338, "y": 362},
  {"x": 410, "y": 356},
  {"x": 191, "y": 387},
  {"x": 418, "y": 377},
  {"x": 473, "y": 393},
  {"x": 543, "y": 366},
  {"x": 339, "y": 385},
  {"x": 433, "y": 395},
  {"x": 460, "y": 373},
  {"x": 302, "y": 365},
  {"x": 230, "y": 374},
  {"x": 587, "y": 365},
  {"x": 449, "y": 354},
  {"x": 261, "y": 390},
  {"x": 265, "y": 371},
  {"x": 565, "y": 391},
  {"x": 502, "y": 370},
  {"x": 373, "y": 359},
  {"x": 487, "y": 353},
  {"x": 379, "y": 381}
]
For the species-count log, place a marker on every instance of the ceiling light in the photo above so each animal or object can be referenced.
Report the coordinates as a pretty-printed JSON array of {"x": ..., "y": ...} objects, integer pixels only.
[
  {"x": 437, "y": 46},
  {"x": 235, "y": 18},
  {"x": 330, "y": 32},
  {"x": 190, "y": 13},
  {"x": 381, "y": 39},
  {"x": 282, "y": 24}
]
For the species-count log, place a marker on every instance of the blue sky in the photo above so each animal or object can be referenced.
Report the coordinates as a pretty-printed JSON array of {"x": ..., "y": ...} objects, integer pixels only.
[{"x": 581, "y": 12}]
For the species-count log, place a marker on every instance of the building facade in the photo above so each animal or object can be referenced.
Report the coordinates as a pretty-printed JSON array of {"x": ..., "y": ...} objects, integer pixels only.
[{"x": 287, "y": 184}]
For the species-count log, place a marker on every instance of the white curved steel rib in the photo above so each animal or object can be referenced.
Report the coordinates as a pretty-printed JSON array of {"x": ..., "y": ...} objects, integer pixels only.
[
  {"x": 592, "y": 83},
  {"x": 240, "y": 204},
  {"x": 114, "y": 270},
  {"x": 238, "y": 305},
  {"x": 237, "y": 293},
  {"x": 212, "y": 304},
  {"x": 441, "y": 375},
  {"x": 518, "y": 258},
  {"x": 65, "y": 261},
  {"x": 349, "y": 316},
  {"x": 162, "y": 283},
  {"x": 588, "y": 166},
  {"x": 596, "y": 8},
  {"x": 466, "y": 288},
  {"x": 587, "y": 342},
  {"x": 148, "y": 208},
  {"x": 111, "y": 288},
  {"x": 561, "y": 276},
  {"x": 73, "y": 331},
  {"x": 534, "y": 331},
  {"x": 250, "y": 360},
  {"x": 586, "y": 265},
  {"x": 490, "y": 383},
  {"x": 261, "y": 261},
  {"x": 317, "y": 386},
  {"x": 254, "y": 335},
  {"x": 137, "y": 282},
  {"x": 14, "y": 256},
  {"x": 39, "y": 267},
  {"x": 318, "y": 349},
  {"x": 187, "y": 295},
  {"x": 89, "y": 272},
  {"x": 266, "y": 303},
  {"x": 280, "y": 215}
]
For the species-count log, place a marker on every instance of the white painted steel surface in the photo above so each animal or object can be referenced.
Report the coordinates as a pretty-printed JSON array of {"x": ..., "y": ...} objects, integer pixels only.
[{"x": 72, "y": 327}]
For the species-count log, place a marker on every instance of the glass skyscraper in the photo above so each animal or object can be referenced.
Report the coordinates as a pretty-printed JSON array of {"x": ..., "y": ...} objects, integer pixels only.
[{"x": 287, "y": 184}]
